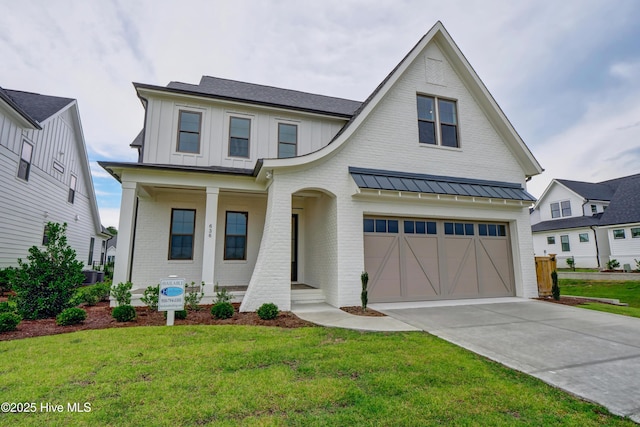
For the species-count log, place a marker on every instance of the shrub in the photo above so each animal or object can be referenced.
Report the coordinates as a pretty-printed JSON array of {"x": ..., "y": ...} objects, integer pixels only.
[
  {"x": 8, "y": 307},
  {"x": 151, "y": 296},
  {"x": 122, "y": 293},
  {"x": 102, "y": 290},
  {"x": 613, "y": 264},
  {"x": 6, "y": 277},
  {"x": 637, "y": 265},
  {"x": 364, "y": 295},
  {"x": 71, "y": 316},
  {"x": 179, "y": 314},
  {"x": 9, "y": 322},
  {"x": 571, "y": 262},
  {"x": 268, "y": 311},
  {"x": 124, "y": 313},
  {"x": 222, "y": 294},
  {"x": 192, "y": 297},
  {"x": 222, "y": 310},
  {"x": 44, "y": 285}
]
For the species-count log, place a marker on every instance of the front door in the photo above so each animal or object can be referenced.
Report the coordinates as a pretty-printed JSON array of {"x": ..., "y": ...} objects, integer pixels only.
[{"x": 294, "y": 247}]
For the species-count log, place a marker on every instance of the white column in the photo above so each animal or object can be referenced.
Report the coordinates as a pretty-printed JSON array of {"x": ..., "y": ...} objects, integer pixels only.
[
  {"x": 122, "y": 266},
  {"x": 210, "y": 232}
]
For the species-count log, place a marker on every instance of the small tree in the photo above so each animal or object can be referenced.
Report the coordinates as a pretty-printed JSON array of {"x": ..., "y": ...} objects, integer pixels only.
[
  {"x": 364, "y": 295},
  {"x": 45, "y": 284},
  {"x": 555, "y": 289}
]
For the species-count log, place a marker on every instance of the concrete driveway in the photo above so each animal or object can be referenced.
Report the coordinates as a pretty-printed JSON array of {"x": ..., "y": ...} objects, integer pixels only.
[{"x": 591, "y": 354}]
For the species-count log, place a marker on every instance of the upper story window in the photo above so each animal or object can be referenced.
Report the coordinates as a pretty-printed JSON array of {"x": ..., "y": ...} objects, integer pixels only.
[
  {"x": 25, "y": 161},
  {"x": 437, "y": 121},
  {"x": 594, "y": 209},
  {"x": 287, "y": 140},
  {"x": 72, "y": 189},
  {"x": 239, "y": 130},
  {"x": 559, "y": 208},
  {"x": 189, "y": 132}
]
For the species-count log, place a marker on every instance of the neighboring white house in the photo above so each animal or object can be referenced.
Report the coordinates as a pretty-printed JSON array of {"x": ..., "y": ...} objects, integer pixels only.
[
  {"x": 112, "y": 243},
  {"x": 422, "y": 185},
  {"x": 45, "y": 177},
  {"x": 591, "y": 222}
]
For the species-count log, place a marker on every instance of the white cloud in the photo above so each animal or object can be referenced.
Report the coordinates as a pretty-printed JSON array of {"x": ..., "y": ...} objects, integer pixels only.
[
  {"x": 625, "y": 70},
  {"x": 110, "y": 217},
  {"x": 98, "y": 172}
]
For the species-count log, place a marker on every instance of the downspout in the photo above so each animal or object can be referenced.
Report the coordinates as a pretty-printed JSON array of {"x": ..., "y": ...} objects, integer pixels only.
[
  {"x": 133, "y": 240},
  {"x": 595, "y": 238}
]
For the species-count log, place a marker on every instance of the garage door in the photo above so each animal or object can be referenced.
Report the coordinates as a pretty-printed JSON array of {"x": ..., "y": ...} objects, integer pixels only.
[{"x": 418, "y": 259}]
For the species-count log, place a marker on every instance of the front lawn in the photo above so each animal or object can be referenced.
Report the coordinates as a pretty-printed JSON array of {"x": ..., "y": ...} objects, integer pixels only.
[
  {"x": 231, "y": 375},
  {"x": 628, "y": 291}
]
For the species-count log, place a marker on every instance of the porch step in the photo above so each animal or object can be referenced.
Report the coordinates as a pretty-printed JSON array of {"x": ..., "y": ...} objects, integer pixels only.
[{"x": 307, "y": 296}]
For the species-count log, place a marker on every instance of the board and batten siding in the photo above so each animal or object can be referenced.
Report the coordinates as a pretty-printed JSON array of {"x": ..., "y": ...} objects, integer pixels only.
[
  {"x": 28, "y": 205},
  {"x": 161, "y": 130}
]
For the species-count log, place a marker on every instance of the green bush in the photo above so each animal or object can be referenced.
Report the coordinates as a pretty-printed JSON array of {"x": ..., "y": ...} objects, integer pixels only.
[
  {"x": 122, "y": 293},
  {"x": 364, "y": 295},
  {"x": 555, "y": 288},
  {"x": 613, "y": 264},
  {"x": 222, "y": 310},
  {"x": 268, "y": 311},
  {"x": 9, "y": 322},
  {"x": 222, "y": 294},
  {"x": 124, "y": 313},
  {"x": 91, "y": 295},
  {"x": 8, "y": 307},
  {"x": 6, "y": 277},
  {"x": 151, "y": 296},
  {"x": 102, "y": 290},
  {"x": 44, "y": 285},
  {"x": 192, "y": 297},
  {"x": 179, "y": 314},
  {"x": 71, "y": 316}
]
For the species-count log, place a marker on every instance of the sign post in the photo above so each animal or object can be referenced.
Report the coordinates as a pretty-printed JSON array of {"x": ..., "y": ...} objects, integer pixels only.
[{"x": 171, "y": 297}]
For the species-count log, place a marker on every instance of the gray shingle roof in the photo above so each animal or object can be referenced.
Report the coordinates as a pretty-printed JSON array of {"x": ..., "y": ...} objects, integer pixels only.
[
  {"x": 137, "y": 142},
  {"x": 589, "y": 190},
  {"x": 624, "y": 207},
  {"x": 566, "y": 223},
  {"x": 420, "y": 183},
  {"x": 38, "y": 107},
  {"x": 268, "y": 95}
]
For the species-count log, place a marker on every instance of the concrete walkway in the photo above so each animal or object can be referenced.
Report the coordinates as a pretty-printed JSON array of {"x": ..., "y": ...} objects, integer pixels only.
[
  {"x": 591, "y": 354},
  {"x": 326, "y": 315}
]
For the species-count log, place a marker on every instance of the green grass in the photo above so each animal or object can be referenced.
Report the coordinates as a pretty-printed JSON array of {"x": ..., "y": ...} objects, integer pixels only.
[
  {"x": 628, "y": 291},
  {"x": 615, "y": 309},
  {"x": 578, "y": 270},
  {"x": 235, "y": 375}
]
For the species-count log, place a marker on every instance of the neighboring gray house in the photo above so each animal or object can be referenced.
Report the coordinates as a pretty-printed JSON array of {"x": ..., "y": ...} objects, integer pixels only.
[
  {"x": 112, "y": 243},
  {"x": 45, "y": 177},
  {"x": 591, "y": 222}
]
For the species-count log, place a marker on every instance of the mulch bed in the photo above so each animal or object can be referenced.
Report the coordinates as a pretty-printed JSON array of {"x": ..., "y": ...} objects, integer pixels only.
[
  {"x": 357, "y": 310},
  {"x": 569, "y": 301},
  {"x": 99, "y": 317}
]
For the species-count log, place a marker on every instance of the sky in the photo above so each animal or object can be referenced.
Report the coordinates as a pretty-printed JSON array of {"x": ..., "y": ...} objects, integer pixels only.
[{"x": 566, "y": 73}]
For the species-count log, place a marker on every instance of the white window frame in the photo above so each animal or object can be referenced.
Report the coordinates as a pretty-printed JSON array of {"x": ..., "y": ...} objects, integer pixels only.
[{"x": 437, "y": 123}]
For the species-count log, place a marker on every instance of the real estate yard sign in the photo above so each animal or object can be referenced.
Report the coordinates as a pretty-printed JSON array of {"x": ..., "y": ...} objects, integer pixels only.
[{"x": 171, "y": 297}]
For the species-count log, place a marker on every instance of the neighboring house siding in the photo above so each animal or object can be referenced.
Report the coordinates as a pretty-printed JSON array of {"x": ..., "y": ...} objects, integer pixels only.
[
  {"x": 626, "y": 250},
  {"x": 557, "y": 194},
  {"x": 314, "y": 132},
  {"x": 28, "y": 205},
  {"x": 583, "y": 252}
]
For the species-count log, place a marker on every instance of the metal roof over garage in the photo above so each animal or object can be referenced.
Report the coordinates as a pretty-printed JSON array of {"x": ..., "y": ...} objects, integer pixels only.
[{"x": 420, "y": 183}]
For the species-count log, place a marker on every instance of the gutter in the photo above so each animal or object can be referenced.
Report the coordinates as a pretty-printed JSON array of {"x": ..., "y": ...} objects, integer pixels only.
[{"x": 595, "y": 239}]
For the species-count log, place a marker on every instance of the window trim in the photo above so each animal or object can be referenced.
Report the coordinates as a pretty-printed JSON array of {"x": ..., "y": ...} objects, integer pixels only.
[
  {"x": 28, "y": 162},
  {"x": 437, "y": 122},
  {"x": 287, "y": 143},
  {"x": 624, "y": 236},
  {"x": 583, "y": 237},
  {"x": 92, "y": 243},
  {"x": 171, "y": 234},
  {"x": 637, "y": 233},
  {"x": 551, "y": 240},
  {"x": 72, "y": 188},
  {"x": 565, "y": 243},
  {"x": 246, "y": 235},
  {"x": 199, "y": 133},
  {"x": 594, "y": 209},
  {"x": 558, "y": 210},
  {"x": 248, "y": 156}
]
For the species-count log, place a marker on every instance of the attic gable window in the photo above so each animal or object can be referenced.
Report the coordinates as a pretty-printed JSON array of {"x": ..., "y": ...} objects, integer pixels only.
[
  {"x": 437, "y": 121},
  {"x": 25, "y": 161},
  {"x": 189, "y": 132},
  {"x": 72, "y": 189}
]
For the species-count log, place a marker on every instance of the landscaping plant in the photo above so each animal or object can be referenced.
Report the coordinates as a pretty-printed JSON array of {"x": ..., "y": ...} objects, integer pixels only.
[
  {"x": 222, "y": 310},
  {"x": 151, "y": 296},
  {"x": 192, "y": 297},
  {"x": 222, "y": 294},
  {"x": 268, "y": 311},
  {"x": 571, "y": 262},
  {"x": 44, "y": 285},
  {"x": 8, "y": 307},
  {"x": 364, "y": 295},
  {"x": 637, "y": 265},
  {"x": 178, "y": 315},
  {"x": 6, "y": 276},
  {"x": 555, "y": 289},
  {"x": 124, "y": 313},
  {"x": 9, "y": 322},
  {"x": 122, "y": 293},
  {"x": 613, "y": 264},
  {"x": 71, "y": 316}
]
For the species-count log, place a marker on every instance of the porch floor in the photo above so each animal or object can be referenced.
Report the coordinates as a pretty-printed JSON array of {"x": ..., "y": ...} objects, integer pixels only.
[{"x": 294, "y": 287}]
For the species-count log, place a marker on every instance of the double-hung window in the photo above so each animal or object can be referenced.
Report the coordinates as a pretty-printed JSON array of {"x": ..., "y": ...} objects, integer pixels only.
[
  {"x": 437, "y": 121},
  {"x": 239, "y": 130},
  {"x": 564, "y": 240},
  {"x": 560, "y": 209},
  {"x": 287, "y": 140},
  {"x": 25, "y": 161},
  {"x": 566, "y": 208},
  {"x": 183, "y": 222},
  {"x": 235, "y": 236},
  {"x": 92, "y": 243},
  {"x": 189, "y": 132},
  {"x": 73, "y": 182}
]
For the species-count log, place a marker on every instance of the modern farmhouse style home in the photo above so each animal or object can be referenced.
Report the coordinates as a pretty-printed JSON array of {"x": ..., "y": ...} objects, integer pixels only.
[{"x": 258, "y": 188}]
